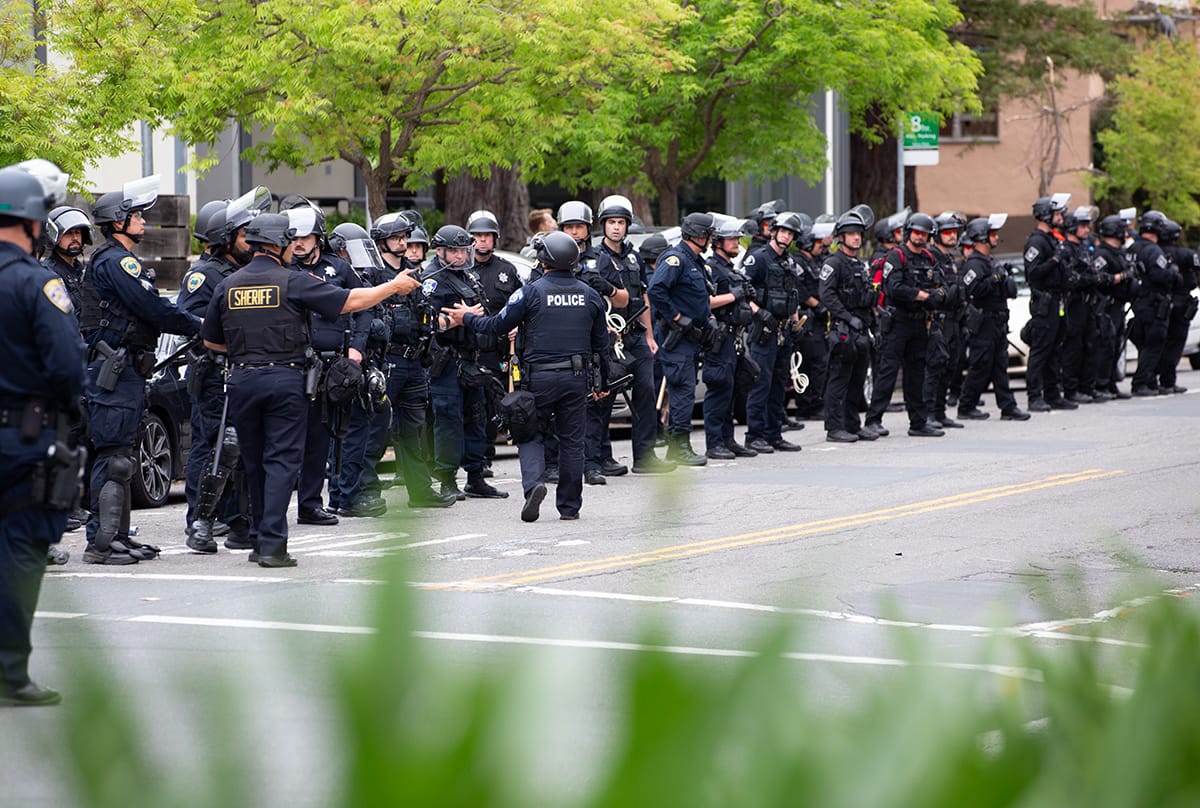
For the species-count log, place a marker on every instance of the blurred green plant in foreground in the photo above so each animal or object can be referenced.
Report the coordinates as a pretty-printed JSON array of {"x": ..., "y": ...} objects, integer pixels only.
[{"x": 1091, "y": 724}]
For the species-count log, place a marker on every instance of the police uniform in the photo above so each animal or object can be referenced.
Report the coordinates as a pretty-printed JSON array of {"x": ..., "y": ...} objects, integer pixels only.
[
  {"x": 1080, "y": 331},
  {"x": 904, "y": 337},
  {"x": 562, "y": 324},
  {"x": 1183, "y": 311},
  {"x": 261, "y": 313},
  {"x": 498, "y": 279},
  {"x": 43, "y": 362},
  {"x": 678, "y": 287},
  {"x": 71, "y": 274},
  {"x": 206, "y": 389},
  {"x": 121, "y": 310},
  {"x": 776, "y": 282},
  {"x": 720, "y": 366},
  {"x": 600, "y": 268},
  {"x": 944, "y": 352},
  {"x": 810, "y": 341},
  {"x": 988, "y": 290},
  {"x": 328, "y": 340},
  {"x": 847, "y": 293},
  {"x": 1108, "y": 262},
  {"x": 1151, "y": 312},
  {"x": 459, "y": 414},
  {"x": 1046, "y": 277}
]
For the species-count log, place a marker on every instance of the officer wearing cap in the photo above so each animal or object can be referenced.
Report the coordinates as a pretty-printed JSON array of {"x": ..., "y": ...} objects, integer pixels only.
[
  {"x": 411, "y": 319},
  {"x": 775, "y": 278},
  {"x": 259, "y": 316},
  {"x": 122, "y": 317},
  {"x": 732, "y": 302},
  {"x": 498, "y": 279},
  {"x": 1045, "y": 272},
  {"x": 562, "y": 326},
  {"x": 459, "y": 429},
  {"x": 988, "y": 288},
  {"x": 219, "y": 495},
  {"x": 41, "y": 373},
  {"x": 678, "y": 295},
  {"x": 847, "y": 293}
]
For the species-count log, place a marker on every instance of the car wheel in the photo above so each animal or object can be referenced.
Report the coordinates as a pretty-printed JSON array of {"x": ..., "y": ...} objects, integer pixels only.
[{"x": 152, "y": 482}]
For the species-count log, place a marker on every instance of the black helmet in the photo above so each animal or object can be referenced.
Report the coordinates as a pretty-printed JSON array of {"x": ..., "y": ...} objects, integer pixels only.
[
  {"x": 654, "y": 246},
  {"x": 204, "y": 219},
  {"x": 390, "y": 224},
  {"x": 616, "y": 207},
  {"x": 301, "y": 204},
  {"x": 414, "y": 216},
  {"x": 765, "y": 212},
  {"x": 451, "y": 235},
  {"x": 849, "y": 222},
  {"x": 1045, "y": 207},
  {"x": 63, "y": 220},
  {"x": 921, "y": 223},
  {"x": 574, "y": 212},
  {"x": 118, "y": 206},
  {"x": 976, "y": 231},
  {"x": 556, "y": 250},
  {"x": 344, "y": 232},
  {"x": 1111, "y": 227},
  {"x": 483, "y": 221},
  {"x": 418, "y": 236},
  {"x": 269, "y": 228},
  {"x": 949, "y": 220},
  {"x": 730, "y": 228},
  {"x": 236, "y": 216},
  {"x": 1082, "y": 215},
  {"x": 1152, "y": 221},
  {"x": 697, "y": 225},
  {"x": 883, "y": 232},
  {"x": 1171, "y": 232},
  {"x": 798, "y": 223}
]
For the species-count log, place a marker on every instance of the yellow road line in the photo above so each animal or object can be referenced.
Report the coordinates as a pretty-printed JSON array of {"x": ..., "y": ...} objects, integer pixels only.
[{"x": 781, "y": 533}]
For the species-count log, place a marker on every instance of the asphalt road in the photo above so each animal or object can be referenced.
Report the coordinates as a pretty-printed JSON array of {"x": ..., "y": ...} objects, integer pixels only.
[{"x": 1039, "y": 529}]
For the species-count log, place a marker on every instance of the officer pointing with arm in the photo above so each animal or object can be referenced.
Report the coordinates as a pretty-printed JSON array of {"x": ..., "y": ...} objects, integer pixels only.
[
  {"x": 259, "y": 317},
  {"x": 562, "y": 322}
]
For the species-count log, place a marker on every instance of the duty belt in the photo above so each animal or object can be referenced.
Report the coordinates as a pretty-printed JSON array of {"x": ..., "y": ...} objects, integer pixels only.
[
  {"x": 296, "y": 363},
  {"x": 405, "y": 351},
  {"x": 565, "y": 364}
]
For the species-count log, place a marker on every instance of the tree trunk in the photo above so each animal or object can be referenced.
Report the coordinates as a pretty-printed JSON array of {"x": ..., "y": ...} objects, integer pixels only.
[
  {"x": 377, "y": 182},
  {"x": 668, "y": 202},
  {"x": 873, "y": 175},
  {"x": 641, "y": 208},
  {"x": 503, "y": 193}
]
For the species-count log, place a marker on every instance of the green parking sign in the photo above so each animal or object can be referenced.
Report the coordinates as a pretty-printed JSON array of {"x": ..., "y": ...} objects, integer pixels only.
[{"x": 920, "y": 138}]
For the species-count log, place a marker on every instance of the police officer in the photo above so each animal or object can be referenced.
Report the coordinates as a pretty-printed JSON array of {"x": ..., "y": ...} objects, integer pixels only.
[
  {"x": 498, "y": 279},
  {"x": 914, "y": 300},
  {"x": 418, "y": 246},
  {"x": 121, "y": 320},
  {"x": 325, "y": 416},
  {"x": 846, "y": 291},
  {"x": 411, "y": 320},
  {"x": 945, "y": 356},
  {"x": 1152, "y": 306},
  {"x": 761, "y": 218},
  {"x": 683, "y": 325},
  {"x": 775, "y": 278},
  {"x": 809, "y": 342},
  {"x": 1080, "y": 333},
  {"x": 562, "y": 322},
  {"x": 1116, "y": 286},
  {"x": 459, "y": 433},
  {"x": 1183, "y": 306},
  {"x": 210, "y": 494},
  {"x": 1046, "y": 275},
  {"x": 988, "y": 288},
  {"x": 259, "y": 316},
  {"x": 41, "y": 373},
  {"x": 731, "y": 299}
]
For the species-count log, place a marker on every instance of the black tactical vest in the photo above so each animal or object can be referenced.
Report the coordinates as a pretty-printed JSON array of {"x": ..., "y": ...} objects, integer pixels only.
[
  {"x": 562, "y": 323},
  {"x": 261, "y": 325}
]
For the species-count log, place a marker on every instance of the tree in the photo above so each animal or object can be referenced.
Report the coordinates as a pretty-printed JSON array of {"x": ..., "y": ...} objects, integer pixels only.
[
  {"x": 1152, "y": 151},
  {"x": 398, "y": 88},
  {"x": 744, "y": 110}
]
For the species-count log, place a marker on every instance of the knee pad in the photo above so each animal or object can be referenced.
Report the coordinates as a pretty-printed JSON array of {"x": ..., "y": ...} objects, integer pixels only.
[{"x": 120, "y": 468}]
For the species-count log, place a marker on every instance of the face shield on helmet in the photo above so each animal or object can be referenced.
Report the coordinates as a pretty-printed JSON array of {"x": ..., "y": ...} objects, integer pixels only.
[
  {"x": 362, "y": 254},
  {"x": 976, "y": 231},
  {"x": 50, "y": 177},
  {"x": 346, "y": 231},
  {"x": 63, "y": 220},
  {"x": 455, "y": 246}
]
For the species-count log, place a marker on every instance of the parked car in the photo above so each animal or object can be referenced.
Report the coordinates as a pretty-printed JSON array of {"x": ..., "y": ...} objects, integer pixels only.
[{"x": 165, "y": 434}]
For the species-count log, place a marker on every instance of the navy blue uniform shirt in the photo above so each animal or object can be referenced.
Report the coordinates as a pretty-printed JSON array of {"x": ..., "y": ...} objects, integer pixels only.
[
  {"x": 678, "y": 285},
  {"x": 118, "y": 275}
]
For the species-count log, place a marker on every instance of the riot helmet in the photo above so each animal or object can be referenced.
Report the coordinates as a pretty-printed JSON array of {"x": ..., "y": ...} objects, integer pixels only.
[
  {"x": 976, "y": 231},
  {"x": 1045, "y": 207},
  {"x": 919, "y": 223},
  {"x": 849, "y": 222},
  {"x": 616, "y": 207},
  {"x": 1152, "y": 221},
  {"x": 118, "y": 206},
  {"x": 345, "y": 232},
  {"x": 697, "y": 225},
  {"x": 453, "y": 236},
  {"x": 310, "y": 217},
  {"x": 765, "y": 212},
  {"x": 269, "y": 228},
  {"x": 574, "y": 212},
  {"x": 483, "y": 221},
  {"x": 557, "y": 250},
  {"x": 204, "y": 219},
  {"x": 948, "y": 220},
  {"x": 798, "y": 223},
  {"x": 1111, "y": 227},
  {"x": 653, "y": 246},
  {"x": 1171, "y": 232},
  {"x": 387, "y": 226},
  {"x": 418, "y": 236},
  {"x": 63, "y": 220}
]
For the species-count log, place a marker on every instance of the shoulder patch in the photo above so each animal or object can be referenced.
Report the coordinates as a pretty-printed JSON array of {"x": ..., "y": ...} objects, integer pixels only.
[
  {"x": 1100, "y": 263},
  {"x": 502, "y": 277},
  {"x": 1031, "y": 254},
  {"x": 671, "y": 260},
  {"x": 56, "y": 292},
  {"x": 194, "y": 281},
  {"x": 131, "y": 265},
  {"x": 429, "y": 286},
  {"x": 1161, "y": 261},
  {"x": 887, "y": 268},
  {"x": 516, "y": 297},
  {"x": 826, "y": 272},
  {"x": 631, "y": 259},
  {"x": 969, "y": 278},
  {"x": 748, "y": 261}
]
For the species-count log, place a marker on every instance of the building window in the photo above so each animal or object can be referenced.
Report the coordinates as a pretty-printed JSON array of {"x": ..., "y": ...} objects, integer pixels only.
[{"x": 962, "y": 127}]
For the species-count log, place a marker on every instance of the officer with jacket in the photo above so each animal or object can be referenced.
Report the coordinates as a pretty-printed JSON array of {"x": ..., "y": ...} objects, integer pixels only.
[
  {"x": 562, "y": 327},
  {"x": 1116, "y": 286},
  {"x": 455, "y": 383},
  {"x": 775, "y": 278},
  {"x": 260, "y": 317},
  {"x": 683, "y": 326},
  {"x": 122, "y": 317},
  {"x": 731, "y": 299},
  {"x": 1183, "y": 307},
  {"x": 1079, "y": 305},
  {"x": 809, "y": 341},
  {"x": 945, "y": 355},
  {"x": 411, "y": 319},
  {"x": 1046, "y": 274},
  {"x": 847, "y": 293},
  {"x": 41, "y": 379},
  {"x": 915, "y": 301},
  {"x": 988, "y": 288},
  {"x": 1152, "y": 306}
]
